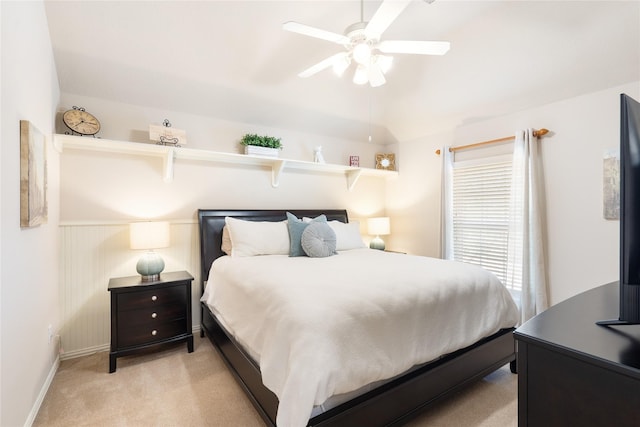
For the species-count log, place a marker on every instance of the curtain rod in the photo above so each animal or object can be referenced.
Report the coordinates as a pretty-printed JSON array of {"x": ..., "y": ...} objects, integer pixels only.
[{"x": 536, "y": 133}]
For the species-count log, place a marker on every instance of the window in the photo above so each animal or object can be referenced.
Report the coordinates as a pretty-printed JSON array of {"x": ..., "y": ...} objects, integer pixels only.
[{"x": 480, "y": 209}]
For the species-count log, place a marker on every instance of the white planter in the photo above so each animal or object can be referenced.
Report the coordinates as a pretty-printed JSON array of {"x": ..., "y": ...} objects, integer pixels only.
[{"x": 261, "y": 151}]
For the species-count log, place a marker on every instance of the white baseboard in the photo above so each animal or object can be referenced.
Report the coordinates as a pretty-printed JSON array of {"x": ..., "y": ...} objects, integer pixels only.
[
  {"x": 43, "y": 392},
  {"x": 84, "y": 352},
  {"x": 104, "y": 347}
]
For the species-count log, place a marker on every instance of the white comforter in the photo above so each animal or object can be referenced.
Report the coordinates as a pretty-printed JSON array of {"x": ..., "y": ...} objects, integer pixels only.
[{"x": 324, "y": 326}]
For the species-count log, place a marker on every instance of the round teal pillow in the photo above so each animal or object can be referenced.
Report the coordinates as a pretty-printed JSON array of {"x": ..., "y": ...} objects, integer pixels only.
[{"x": 318, "y": 240}]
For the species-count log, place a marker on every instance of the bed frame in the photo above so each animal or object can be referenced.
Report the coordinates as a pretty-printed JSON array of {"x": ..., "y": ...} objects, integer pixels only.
[{"x": 393, "y": 403}]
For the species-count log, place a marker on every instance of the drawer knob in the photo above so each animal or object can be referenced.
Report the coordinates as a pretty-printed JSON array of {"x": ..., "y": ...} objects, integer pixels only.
[
  {"x": 154, "y": 332},
  {"x": 154, "y": 315},
  {"x": 154, "y": 298}
]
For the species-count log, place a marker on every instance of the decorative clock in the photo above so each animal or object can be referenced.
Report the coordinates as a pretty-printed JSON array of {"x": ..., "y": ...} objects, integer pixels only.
[
  {"x": 386, "y": 161},
  {"x": 80, "y": 121}
]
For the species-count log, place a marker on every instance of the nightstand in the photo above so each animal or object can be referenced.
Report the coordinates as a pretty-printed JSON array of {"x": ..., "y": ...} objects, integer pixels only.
[{"x": 147, "y": 314}]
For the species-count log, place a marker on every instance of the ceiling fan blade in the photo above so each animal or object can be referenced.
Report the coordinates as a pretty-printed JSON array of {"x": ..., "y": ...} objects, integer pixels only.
[
  {"x": 322, "y": 64},
  {"x": 384, "y": 16},
  {"x": 414, "y": 47},
  {"x": 306, "y": 30}
]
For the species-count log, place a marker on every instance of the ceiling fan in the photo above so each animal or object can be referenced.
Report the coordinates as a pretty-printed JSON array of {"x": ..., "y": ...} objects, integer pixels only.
[{"x": 364, "y": 47}]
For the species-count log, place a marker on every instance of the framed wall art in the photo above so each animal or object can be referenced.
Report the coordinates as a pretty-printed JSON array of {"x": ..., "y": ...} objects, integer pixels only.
[{"x": 33, "y": 176}]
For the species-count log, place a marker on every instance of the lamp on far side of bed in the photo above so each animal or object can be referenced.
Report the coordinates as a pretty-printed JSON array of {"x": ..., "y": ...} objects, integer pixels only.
[
  {"x": 378, "y": 227},
  {"x": 149, "y": 235}
]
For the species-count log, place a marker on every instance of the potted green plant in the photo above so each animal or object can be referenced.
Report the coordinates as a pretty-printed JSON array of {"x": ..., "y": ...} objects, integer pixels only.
[{"x": 261, "y": 145}]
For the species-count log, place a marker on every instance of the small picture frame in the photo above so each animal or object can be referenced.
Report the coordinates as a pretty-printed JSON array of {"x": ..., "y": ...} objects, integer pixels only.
[
  {"x": 354, "y": 161},
  {"x": 166, "y": 135},
  {"x": 386, "y": 161},
  {"x": 33, "y": 176}
]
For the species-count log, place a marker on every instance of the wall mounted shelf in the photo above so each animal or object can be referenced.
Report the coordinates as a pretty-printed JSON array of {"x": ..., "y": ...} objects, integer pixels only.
[{"x": 170, "y": 154}]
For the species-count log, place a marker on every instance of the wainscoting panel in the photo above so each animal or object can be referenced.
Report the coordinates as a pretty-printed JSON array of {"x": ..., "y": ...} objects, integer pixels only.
[{"x": 90, "y": 255}]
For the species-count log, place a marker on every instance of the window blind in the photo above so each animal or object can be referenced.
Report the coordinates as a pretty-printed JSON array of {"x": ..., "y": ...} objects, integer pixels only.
[{"x": 480, "y": 210}]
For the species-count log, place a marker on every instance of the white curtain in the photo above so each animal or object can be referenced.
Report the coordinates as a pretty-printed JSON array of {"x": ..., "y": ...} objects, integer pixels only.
[
  {"x": 446, "y": 217},
  {"x": 526, "y": 256}
]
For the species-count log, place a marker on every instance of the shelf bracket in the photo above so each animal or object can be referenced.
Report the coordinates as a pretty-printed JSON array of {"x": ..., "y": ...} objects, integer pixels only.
[
  {"x": 169, "y": 158},
  {"x": 352, "y": 178},
  {"x": 276, "y": 170}
]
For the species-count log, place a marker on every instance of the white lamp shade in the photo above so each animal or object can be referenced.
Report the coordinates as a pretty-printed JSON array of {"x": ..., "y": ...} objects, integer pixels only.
[
  {"x": 362, "y": 53},
  {"x": 149, "y": 235},
  {"x": 379, "y": 226}
]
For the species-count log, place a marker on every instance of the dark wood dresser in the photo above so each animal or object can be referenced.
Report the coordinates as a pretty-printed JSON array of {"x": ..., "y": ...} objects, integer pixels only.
[
  {"x": 146, "y": 314},
  {"x": 572, "y": 372}
]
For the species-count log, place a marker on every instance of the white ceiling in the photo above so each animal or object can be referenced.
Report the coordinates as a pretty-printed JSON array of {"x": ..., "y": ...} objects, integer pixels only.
[{"x": 232, "y": 60}]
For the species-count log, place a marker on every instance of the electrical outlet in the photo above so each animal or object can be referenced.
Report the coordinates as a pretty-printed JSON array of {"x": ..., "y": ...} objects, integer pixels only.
[{"x": 50, "y": 332}]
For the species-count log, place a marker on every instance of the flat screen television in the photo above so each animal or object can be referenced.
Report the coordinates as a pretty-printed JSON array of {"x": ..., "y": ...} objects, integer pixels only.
[{"x": 629, "y": 213}]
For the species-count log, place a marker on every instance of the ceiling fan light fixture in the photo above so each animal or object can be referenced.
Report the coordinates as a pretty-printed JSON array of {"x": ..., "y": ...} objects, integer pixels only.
[
  {"x": 361, "y": 76},
  {"x": 362, "y": 53}
]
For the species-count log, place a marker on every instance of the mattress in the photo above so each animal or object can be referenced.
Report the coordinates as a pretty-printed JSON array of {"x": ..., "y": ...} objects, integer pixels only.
[{"x": 320, "y": 327}]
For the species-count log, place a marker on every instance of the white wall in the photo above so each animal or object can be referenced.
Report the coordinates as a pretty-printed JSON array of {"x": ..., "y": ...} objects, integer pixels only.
[
  {"x": 582, "y": 245},
  {"x": 1, "y": 206},
  {"x": 413, "y": 200},
  {"x": 29, "y": 263}
]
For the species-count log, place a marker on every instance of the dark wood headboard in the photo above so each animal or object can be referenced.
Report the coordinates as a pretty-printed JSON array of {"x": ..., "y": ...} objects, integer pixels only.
[{"x": 211, "y": 222}]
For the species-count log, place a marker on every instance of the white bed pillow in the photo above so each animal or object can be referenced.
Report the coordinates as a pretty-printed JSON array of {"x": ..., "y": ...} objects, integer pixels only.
[
  {"x": 347, "y": 235},
  {"x": 250, "y": 238},
  {"x": 226, "y": 246}
]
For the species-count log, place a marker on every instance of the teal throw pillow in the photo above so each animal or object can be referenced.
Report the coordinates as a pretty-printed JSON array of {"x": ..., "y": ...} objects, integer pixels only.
[{"x": 296, "y": 227}]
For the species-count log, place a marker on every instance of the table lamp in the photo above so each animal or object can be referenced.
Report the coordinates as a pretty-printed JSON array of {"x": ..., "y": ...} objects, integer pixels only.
[
  {"x": 149, "y": 235},
  {"x": 378, "y": 227}
]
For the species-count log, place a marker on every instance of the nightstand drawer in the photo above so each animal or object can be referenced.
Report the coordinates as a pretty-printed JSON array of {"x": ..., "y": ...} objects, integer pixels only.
[
  {"x": 144, "y": 334},
  {"x": 152, "y": 315},
  {"x": 151, "y": 298}
]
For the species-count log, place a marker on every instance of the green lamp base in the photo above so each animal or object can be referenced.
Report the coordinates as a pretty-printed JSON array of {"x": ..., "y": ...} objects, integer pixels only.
[
  {"x": 377, "y": 243},
  {"x": 149, "y": 266}
]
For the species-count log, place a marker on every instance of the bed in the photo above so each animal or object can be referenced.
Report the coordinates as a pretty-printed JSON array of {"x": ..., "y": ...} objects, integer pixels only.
[{"x": 391, "y": 401}]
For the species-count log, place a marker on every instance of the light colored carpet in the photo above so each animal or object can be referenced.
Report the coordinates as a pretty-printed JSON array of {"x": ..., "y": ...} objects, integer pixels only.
[{"x": 174, "y": 388}]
